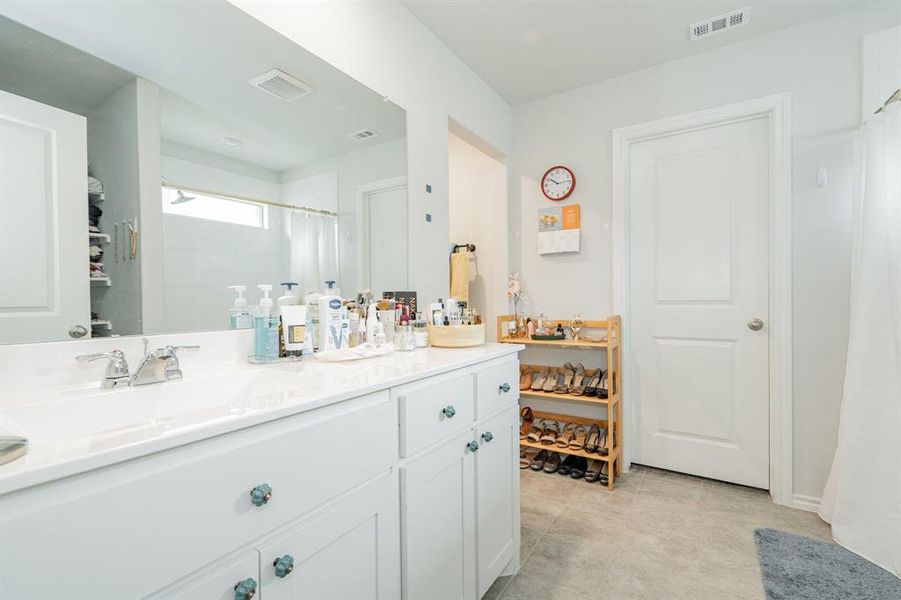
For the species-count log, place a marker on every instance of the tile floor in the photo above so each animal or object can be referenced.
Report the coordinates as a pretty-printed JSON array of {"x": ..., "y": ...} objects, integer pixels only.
[{"x": 658, "y": 535}]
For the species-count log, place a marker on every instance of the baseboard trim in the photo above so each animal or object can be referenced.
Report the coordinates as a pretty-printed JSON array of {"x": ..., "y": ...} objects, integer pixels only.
[{"x": 805, "y": 502}]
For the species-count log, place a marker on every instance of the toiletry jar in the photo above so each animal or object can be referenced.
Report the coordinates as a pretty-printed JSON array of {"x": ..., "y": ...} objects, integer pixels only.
[{"x": 457, "y": 336}]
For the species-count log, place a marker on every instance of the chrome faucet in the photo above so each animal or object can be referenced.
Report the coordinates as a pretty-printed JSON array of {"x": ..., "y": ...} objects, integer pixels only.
[
  {"x": 116, "y": 374},
  {"x": 157, "y": 366}
]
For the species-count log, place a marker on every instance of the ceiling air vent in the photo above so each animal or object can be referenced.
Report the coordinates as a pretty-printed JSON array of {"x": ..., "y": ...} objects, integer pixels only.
[
  {"x": 281, "y": 85},
  {"x": 719, "y": 24},
  {"x": 363, "y": 134}
]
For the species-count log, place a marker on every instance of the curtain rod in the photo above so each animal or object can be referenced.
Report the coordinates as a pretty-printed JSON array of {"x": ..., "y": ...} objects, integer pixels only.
[{"x": 307, "y": 209}]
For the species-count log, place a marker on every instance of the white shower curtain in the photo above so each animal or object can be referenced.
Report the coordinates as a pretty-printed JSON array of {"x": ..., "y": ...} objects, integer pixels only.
[
  {"x": 862, "y": 499},
  {"x": 313, "y": 250}
]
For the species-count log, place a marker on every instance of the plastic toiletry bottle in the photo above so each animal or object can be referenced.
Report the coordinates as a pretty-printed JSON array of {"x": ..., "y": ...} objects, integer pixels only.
[
  {"x": 239, "y": 316},
  {"x": 289, "y": 297},
  {"x": 331, "y": 319},
  {"x": 265, "y": 325}
]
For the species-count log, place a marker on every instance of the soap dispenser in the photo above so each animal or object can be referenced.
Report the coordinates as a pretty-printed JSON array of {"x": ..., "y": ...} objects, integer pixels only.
[
  {"x": 239, "y": 316},
  {"x": 289, "y": 297},
  {"x": 265, "y": 325}
]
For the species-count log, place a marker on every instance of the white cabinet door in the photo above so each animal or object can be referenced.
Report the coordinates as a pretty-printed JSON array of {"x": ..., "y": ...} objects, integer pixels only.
[
  {"x": 438, "y": 523},
  {"x": 218, "y": 581},
  {"x": 497, "y": 495},
  {"x": 44, "y": 287},
  {"x": 349, "y": 549}
]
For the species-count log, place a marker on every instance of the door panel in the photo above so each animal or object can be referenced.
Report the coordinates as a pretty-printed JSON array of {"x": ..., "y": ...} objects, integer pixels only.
[
  {"x": 217, "y": 581},
  {"x": 387, "y": 250},
  {"x": 44, "y": 287},
  {"x": 496, "y": 505},
  {"x": 438, "y": 529},
  {"x": 351, "y": 550},
  {"x": 699, "y": 251}
]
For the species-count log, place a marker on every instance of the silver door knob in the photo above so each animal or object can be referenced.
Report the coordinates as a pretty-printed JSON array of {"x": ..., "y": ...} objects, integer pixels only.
[
  {"x": 77, "y": 331},
  {"x": 755, "y": 324}
]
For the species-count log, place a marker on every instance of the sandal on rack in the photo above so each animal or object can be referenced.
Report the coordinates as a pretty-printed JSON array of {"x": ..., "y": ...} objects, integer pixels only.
[
  {"x": 538, "y": 462},
  {"x": 569, "y": 372},
  {"x": 578, "y": 438},
  {"x": 551, "y": 431},
  {"x": 594, "y": 470},
  {"x": 580, "y": 465},
  {"x": 566, "y": 435},
  {"x": 579, "y": 390},
  {"x": 592, "y": 439},
  {"x": 525, "y": 425},
  {"x": 553, "y": 462},
  {"x": 552, "y": 382},
  {"x": 534, "y": 434},
  {"x": 525, "y": 378},
  {"x": 602, "y": 443},
  {"x": 526, "y": 455},
  {"x": 578, "y": 376},
  {"x": 602, "y": 388},
  {"x": 604, "y": 477},
  {"x": 594, "y": 384},
  {"x": 540, "y": 380},
  {"x": 567, "y": 464}
]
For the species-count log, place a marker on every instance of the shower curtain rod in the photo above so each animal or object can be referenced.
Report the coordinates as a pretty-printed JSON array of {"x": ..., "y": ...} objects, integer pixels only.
[{"x": 196, "y": 190}]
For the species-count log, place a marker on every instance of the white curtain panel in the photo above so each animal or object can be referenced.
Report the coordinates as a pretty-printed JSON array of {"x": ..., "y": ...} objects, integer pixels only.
[
  {"x": 313, "y": 250},
  {"x": 862, "y": 499}
]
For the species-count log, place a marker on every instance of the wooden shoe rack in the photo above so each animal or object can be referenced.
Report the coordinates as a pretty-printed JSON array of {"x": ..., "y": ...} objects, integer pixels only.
[{"x": 612, "y": 404}]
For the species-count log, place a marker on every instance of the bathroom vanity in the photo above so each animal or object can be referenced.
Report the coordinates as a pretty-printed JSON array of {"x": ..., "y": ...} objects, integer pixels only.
[{"x": 388, "y": 478}]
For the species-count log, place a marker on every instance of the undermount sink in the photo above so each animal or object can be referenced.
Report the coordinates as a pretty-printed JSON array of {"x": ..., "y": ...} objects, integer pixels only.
[{"x": 109, "y": 418}]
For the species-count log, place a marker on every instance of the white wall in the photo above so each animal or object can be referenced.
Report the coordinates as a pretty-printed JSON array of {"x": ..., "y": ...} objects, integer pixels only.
[
  {"x": 382, "y": 45},
  {"x": 202, "y": 257},
  {"x": 819, "y": 63},
  {"x": 331, "y": 183},
  {"x": 478, "y": 215}
]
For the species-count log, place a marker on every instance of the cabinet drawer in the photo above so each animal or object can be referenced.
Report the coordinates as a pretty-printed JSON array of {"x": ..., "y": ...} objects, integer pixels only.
[
  {"x": 218, "y": 582},
  {"x": 157, "y": 519},
  {"x": 497, "y": 386},
  {"x": 434, "y": 409}
]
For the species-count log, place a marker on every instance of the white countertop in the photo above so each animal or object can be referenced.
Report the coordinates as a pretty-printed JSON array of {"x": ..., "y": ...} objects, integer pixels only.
[{"x": 95, "y": 428}]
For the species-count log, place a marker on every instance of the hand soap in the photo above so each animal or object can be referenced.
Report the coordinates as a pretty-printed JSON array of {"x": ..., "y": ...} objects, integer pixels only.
[
  {"x": 265, "y": 328},
  {"x": 239, "y": 316}
]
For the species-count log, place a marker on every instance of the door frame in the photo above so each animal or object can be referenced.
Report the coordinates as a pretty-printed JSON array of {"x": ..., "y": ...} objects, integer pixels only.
[
  {"x": 777, "y": 110},
  {"x": 363, "y": 191}
]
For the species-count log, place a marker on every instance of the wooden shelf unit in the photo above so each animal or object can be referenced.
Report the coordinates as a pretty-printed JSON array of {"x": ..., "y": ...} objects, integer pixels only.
[{"x": 613, "y": 403}]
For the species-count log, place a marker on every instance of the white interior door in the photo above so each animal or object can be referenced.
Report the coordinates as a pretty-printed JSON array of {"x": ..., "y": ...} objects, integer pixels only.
[
  {"x": 387, "y": 251},
  {"x": 699, "y": 275},
  {"x": 44, "y": 287}
]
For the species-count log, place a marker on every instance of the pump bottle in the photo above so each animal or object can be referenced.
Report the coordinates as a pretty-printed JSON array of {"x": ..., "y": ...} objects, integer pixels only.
[{"x": 265, "y": 326}]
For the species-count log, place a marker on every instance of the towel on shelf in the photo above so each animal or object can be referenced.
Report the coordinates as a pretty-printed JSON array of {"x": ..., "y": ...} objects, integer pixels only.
[
  {"x": 94, "y": 186},
  {"x": 459, "y": 275}
]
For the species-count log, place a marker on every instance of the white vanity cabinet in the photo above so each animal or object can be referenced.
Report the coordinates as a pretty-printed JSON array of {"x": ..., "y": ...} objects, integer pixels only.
[
  {"x": 383, "y": 496},
  {"x": 460, "y": 496}
]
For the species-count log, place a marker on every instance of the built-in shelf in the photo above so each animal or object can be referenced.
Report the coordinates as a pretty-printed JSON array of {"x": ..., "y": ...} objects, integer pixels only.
[
  {"x": 101, "y": 280},
  {"x": 103, "y": 237}
]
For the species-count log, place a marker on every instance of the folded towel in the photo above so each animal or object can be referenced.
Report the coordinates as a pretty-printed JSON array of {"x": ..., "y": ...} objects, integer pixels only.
[
  {"x": 459, "y": 275},
  {"x": 94, "y": 186}
]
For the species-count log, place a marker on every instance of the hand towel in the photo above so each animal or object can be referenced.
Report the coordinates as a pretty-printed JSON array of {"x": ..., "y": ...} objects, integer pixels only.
[{"x": 459, "y": 275}]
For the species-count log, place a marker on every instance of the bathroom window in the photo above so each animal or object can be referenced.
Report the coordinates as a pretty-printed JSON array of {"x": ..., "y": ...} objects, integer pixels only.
[{"x": 188, "y": 203}]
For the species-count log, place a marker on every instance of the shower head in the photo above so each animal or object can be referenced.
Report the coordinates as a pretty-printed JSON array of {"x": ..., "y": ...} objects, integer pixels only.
[{"x": 181, "y": 199}]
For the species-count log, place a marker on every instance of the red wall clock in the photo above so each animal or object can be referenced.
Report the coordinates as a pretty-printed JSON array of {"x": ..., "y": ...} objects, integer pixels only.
[{"x": 558, "y": 183}]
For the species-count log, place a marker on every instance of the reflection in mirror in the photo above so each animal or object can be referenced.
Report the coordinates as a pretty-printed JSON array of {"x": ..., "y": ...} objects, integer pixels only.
[{"x": 193, "y": 166}]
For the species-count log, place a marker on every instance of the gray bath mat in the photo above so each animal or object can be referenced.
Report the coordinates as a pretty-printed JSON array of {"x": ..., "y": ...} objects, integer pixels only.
[{"x": 799, "y": 568}]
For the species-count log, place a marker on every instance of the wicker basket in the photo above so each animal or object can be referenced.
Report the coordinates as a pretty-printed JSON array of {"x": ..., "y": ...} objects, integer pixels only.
[{"x": 457, "y": 336}]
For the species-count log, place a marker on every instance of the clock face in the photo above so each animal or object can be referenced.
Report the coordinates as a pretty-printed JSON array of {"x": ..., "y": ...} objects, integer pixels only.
[{"x": 558, "y": 183}]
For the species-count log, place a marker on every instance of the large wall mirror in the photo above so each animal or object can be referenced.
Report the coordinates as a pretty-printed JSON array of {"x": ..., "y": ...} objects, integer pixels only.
[{"x": 152, "y": 154}]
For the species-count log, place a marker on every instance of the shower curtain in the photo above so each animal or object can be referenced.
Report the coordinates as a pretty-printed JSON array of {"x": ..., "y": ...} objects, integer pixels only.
[
  {"x": 313, "y": 250},
  {"x": 862, "y": 498}
]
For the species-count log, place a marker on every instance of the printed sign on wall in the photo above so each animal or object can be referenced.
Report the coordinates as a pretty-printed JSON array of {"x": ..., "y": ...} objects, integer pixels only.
[{"x": 559, "y": 229}]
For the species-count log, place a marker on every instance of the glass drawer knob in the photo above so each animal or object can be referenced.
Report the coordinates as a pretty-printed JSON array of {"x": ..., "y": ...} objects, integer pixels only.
[
  {"x": 449, "y": 411},
  {"x": 245, "y": 590},
  {"x": 284, "y": 565},
  {"x": 487, "y": 436},
  {"x": 505, "y": 387},
  {"x": 473, "y": 446},
  {"x": 261, "y": 494}
]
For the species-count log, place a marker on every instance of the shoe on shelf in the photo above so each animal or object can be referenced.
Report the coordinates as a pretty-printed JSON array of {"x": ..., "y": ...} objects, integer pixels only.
[
  {"x": 553, "y": 462},
  {"x": 579, "y": 375},
  {"x": 539, "y": 381},
  {"x": 567, "y": 464},
  {"x": 525, "y": 421},
  {"x": 569, "y": 372},
  {"x": 580, "y": 465},
  {"x": 538, "y": 462},
  {"x": 525, "y": 378},
  {"x": 593, "y": 472},
  {"x": 566, "y": 435},
  {"x": 535, "y": 433},
  {"x": 551, "y": 431},
  {"x": 578, "y": 438}
]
